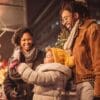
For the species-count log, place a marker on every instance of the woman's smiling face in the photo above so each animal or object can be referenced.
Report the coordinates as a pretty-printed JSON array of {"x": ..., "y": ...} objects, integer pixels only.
[{"x": 26, "y": 42}]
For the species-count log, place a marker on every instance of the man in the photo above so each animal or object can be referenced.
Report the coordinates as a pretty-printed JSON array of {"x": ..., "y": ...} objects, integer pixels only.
[{"x": 83, "y": 43}]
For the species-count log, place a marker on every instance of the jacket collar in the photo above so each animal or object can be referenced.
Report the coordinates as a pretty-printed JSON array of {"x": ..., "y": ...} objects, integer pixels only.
[{"x": 87, "y": 23}]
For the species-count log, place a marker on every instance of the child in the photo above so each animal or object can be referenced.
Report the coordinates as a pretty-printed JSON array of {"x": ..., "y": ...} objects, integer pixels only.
[
  {"x": 59, "y": 55},
  {"x": 49, "y": 78}
]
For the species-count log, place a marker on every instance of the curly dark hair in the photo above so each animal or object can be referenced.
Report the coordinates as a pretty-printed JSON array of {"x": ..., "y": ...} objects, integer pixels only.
[
  {"x": 17, "y": 36},
  {"x": 75, "y": 7}
]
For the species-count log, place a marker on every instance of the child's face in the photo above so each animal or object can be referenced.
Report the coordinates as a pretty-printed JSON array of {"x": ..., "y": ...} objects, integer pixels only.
[{"x": 49, "y": 57}]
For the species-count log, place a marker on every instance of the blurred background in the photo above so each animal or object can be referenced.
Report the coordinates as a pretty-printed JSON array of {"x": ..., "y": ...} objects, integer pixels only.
[{"x": 41, "y": 15}]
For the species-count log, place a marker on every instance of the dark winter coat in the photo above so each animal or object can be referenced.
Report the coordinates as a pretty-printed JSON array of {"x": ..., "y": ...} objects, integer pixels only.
[{"x": 15, "y": 88}]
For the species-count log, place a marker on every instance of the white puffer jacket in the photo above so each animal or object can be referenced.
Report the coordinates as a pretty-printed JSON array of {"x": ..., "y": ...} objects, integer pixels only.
[{"x": 49, "y": 79}]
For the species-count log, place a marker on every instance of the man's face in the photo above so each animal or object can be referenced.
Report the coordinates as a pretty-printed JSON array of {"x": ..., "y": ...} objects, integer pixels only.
[
  {"x": 67, "y": 19},
  {"x": 49, "y": 57}
]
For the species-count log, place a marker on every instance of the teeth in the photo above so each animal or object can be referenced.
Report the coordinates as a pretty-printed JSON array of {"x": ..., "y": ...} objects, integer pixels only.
[
  {"x": 68, "y": 25},
  {"x": 26, "y": 46}
]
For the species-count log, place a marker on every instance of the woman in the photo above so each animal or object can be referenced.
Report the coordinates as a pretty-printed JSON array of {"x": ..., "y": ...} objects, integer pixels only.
[
  {"x": 84, "y": 44},
  {"x": 25, "y": 51}
]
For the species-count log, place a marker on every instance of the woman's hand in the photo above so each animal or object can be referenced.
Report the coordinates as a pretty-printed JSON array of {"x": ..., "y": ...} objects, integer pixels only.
[
  {"x": 13, "y": 64},
  {"x": 13, "y": 94}
]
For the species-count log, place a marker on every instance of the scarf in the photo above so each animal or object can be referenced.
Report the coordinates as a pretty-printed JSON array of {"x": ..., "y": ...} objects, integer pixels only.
[{"x": 30, "y": 57}]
